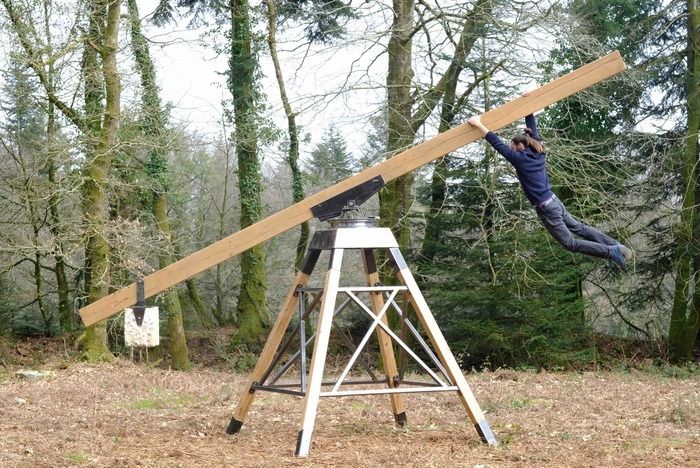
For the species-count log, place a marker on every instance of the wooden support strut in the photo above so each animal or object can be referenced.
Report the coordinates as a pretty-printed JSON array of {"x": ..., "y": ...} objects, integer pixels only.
[
  {"x": 386, "y": 348},
  {"x": 398, "y": 165},
  {"x": 268, "y": 353}
]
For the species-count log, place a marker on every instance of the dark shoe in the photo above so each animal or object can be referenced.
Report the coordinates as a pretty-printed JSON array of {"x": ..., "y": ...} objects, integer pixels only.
[{"x": 617, "y": 257}]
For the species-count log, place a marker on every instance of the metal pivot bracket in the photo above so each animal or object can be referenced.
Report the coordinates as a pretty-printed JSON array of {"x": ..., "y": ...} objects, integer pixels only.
[
  {"x": 140, "y": 308},
  {"x": 349, "y": 200}
]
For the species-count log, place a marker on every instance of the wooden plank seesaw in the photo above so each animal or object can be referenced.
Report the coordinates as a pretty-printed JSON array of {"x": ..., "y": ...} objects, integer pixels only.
[{"x": 398, "y": 165}]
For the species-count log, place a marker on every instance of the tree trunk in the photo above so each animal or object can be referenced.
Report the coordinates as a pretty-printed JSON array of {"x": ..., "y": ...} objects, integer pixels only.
[
  {"x": 65, "y": 311},
  {"x": 102, "y": 126},
  {"x": 396, "y": 197},
  {"x": 198, "y": 304},
  {"x": 193, "y": 291},
  {"x": 451, "y": 105},
  {"x": 154, "y": 128},
  {"x": 251, "y": 308},
  {"x": 46, "y": 317},
  {"x": 685, "y": 314},
  {"x": 179, "y": 353},
  {"x": 438, "y": 182},
  {"x": 293, "y": 153},
  {"x": 220, "y": 314},
  {"x": 402, "y": 125}
]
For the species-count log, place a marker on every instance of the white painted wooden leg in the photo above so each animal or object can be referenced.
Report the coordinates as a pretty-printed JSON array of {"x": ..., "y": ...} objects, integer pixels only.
[
  {"x": 443, "y": 350},
  {"x": 318, "y": 360}
]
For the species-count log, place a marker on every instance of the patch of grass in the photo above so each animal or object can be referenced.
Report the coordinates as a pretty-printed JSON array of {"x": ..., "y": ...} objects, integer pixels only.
[
  {"x": 396, "y": 429},
  {"x": 508, "y": 433},
  {"x": 488, "y": 405},
  {"x": 147, "y": 404},
  {"x": 684, "y": 413},
  {"x": 76, "y": 457},
  {"x": 179, "y": 401},
  {"x": 572, "y": 376},
  {"x": 565, "y": 435},
  {"x": 662, "y": 442},
  {"x": 353, "y": 429},
  {"x": 679, "y": 415},
  {"x": 520, "y": 404},
  {"x": 359, "y": 405},
  {"x": 161, "y": 399},
  {"x": 653, "y": 444}
]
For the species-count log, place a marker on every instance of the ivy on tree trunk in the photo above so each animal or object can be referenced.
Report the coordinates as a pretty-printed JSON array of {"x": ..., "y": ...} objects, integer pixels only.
[
  {"x": 685, "y": 313},
  {"x": 251, "y": 308},
  {"x": 395, "y": 198},
  {"x": 102, "y": 101},
  {"x": 293, "y": 131},
  {"x": 154, "y": 128}
]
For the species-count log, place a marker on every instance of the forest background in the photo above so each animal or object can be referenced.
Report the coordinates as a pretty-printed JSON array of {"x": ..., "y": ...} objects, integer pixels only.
[{"x": 109, "y": 173}]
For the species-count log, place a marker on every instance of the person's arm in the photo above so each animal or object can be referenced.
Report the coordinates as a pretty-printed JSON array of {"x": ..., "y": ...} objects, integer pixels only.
[
  {"x": 495, "y": 141},
  {"x": 531, "y": 121}
]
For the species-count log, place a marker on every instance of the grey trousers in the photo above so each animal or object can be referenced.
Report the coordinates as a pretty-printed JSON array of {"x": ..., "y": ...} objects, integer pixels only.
[{"x": 562, "y": 226}]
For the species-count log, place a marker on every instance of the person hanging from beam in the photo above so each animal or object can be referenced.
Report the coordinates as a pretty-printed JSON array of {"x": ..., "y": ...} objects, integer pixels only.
[{"x": 527, "y": 155}]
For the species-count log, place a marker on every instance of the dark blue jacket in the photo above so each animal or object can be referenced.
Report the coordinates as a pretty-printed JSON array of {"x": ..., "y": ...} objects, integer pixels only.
[{"x": 530, "y": 167}]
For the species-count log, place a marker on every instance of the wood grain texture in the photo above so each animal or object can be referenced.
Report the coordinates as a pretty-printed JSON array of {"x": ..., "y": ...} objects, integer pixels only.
[
  {"x": 274, "y": 339},
  {"x": 386, "y": 347},
  {"x": 400, "y": 164}
]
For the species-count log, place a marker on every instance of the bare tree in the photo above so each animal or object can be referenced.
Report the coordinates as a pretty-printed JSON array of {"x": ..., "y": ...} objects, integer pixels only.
[{"x": 98, "y": 123}]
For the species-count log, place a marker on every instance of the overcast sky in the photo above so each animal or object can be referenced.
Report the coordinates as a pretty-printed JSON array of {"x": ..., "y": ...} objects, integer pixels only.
[{"x": 190, "y": 73}]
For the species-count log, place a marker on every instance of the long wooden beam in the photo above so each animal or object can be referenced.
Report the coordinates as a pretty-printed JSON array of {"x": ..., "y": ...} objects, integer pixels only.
[{"x": 400, "y": 164}]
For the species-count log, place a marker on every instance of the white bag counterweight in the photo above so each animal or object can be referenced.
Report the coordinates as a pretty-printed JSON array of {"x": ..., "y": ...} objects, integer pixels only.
[
  {"x": 141, "y": 323},
  {"x": 145, "y": 335}
]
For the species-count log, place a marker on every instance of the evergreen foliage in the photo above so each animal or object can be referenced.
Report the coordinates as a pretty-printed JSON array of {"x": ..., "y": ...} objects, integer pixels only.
[
  {"x": 330, "y": 160},
  {"x": 512, "y": 295},
  {"x": 323, "y": 19},
  {"x": 495, "y": 283},
  {"x": 634, "y": 171}
]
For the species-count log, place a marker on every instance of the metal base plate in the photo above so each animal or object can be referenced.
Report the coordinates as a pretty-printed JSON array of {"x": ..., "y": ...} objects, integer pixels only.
[
  {"x": 234, "y": 426},
  {"x": 400, "y": 419}
]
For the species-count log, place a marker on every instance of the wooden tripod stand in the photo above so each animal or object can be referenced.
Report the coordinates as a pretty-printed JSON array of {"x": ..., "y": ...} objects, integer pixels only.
[{"x": 365, "y": 238}]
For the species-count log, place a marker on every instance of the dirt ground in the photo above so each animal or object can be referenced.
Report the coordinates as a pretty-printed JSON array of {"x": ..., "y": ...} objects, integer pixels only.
[{"x": 123, "y": 414}]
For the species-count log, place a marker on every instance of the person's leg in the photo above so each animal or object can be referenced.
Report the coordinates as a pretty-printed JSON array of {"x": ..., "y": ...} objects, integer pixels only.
[
  {"x": 586, "y": 231},
  {"x": 592, "y": 234},
  {"x": 552, "y": 217}
]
